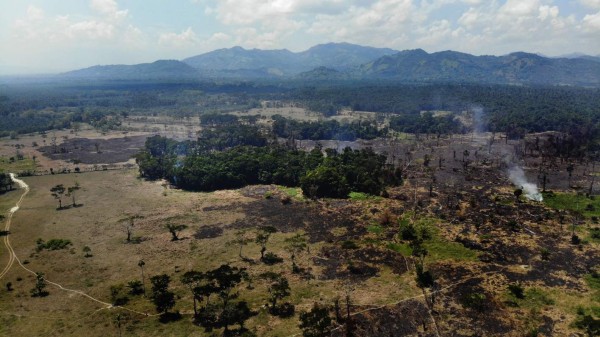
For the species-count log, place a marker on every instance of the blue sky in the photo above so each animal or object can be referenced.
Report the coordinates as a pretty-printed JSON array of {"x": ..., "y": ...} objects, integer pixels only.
[{"x": 45, "y": 36}]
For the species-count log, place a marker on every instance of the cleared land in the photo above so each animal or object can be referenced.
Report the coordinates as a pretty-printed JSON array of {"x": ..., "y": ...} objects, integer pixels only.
[{"x": 482, "y": 240}]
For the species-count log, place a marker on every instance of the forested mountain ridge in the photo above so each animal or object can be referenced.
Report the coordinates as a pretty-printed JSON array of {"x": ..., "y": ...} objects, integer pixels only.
[
  {"x": 161, "y": 69},
  {"x": 515, "y": 68},
  {"x": 347, "y": 62},
  {"x": 339, "y": 56}
]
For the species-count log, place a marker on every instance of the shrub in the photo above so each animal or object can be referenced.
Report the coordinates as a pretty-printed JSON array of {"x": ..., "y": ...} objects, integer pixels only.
[
  {"x": 475, "y": 301},
  {"x": 284, "y": 310},
  {"x": 349, "y": 244},
  {"x": 135, "y": 287},
  {"x": 517, "y": 290},
  {"x": 53, "y": 244},
  {"x": 272, "y": 258}
]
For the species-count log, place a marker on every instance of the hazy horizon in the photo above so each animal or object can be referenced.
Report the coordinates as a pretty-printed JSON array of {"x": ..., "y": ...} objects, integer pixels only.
[{"x": 54, "y": 36}]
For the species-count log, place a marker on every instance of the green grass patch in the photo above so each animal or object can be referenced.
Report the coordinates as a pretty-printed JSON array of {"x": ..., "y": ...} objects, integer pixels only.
[
  {"x": 441, "y": 250},
  {"x": 16, "y": 166},
  {"x": 573, "y": 202},
  {"x": 401, "y": 248},
  {"x": 534, "y": 298},
  {"x": 290, "y": 191},
  {"x": 360, "y": 196},
  {"x": 593, "y": 281},
  {"x": 375, "y": 229}
]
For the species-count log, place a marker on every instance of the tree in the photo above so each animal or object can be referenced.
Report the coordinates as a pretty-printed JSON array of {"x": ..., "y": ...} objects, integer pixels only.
[
  {"x": 225, "y": 279},
  {"x": 57, "y": 192},
  {"x": 5, "y": 181},
  {"x": 174, "y": 230},
  {"x": 128, "y": 225},
  {"x": 316, "y": 322},
  {"x": 40, "y": 286},
  {"x": 295, "y": 245},
  {"x": 118, "y": 296},
  {"x": 71, "y": 192},
  {"x": 141, "y": 264},
  {"x": 242, "y": 239},
  {"x": 87, "y": 251},
  {"x": 235, "y": 313},
  {"x": 119, "y": 320},
  {"x": 278, "y": 289},
  {"x": 192, "y": 279},
  {"x": 162, "y": 298},
  {"x": 262, "y": 237}
]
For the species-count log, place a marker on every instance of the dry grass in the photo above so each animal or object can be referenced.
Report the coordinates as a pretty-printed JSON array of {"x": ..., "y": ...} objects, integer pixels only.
[{"x": 110, "y": 196}]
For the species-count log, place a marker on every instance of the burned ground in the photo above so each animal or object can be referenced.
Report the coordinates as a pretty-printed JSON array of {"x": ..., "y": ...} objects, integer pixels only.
[{"x": 95, "y": 151}]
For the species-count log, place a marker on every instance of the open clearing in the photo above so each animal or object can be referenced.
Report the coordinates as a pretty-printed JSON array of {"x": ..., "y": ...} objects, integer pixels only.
[{"x": 483, "y": 240}]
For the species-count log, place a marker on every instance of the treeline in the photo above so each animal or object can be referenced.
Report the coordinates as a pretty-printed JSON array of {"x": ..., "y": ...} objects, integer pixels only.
[
  {"x": 534, "y": 109},
  {"x": 426, "y": 123},
  {"x": 331, "y": 175},
  {"x": 29, "y": 107},
  {"x": 332, "y": 129}
]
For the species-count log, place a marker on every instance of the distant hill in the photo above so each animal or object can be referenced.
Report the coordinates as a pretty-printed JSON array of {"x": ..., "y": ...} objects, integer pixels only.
[
  {"x": 516, "y": 68},
  {"x": 339, "y": 56},
  {"x": 162, "y": 69},
  {"x": 591, "y": 58},
  {"x": 238, "y": 58},
  {"x": 344, "y": 61}
]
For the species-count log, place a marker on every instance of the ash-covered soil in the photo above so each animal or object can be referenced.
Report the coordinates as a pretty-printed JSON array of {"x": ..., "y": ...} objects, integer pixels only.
[{"x": 95, "y": 151}]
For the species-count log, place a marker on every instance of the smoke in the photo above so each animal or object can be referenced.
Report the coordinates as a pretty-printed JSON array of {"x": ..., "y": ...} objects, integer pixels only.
[
  {"x": 478, "y": 124},
  {"x": 517, "y": 177}
]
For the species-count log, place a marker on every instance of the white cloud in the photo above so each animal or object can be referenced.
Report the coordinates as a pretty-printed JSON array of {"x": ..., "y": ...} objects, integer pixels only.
[
  {"x": 218, "y": 38},
  {"x": 591, "y": 3},
  {"x": 94, "y": 30},
  {"x": 110, "y": 8},
  {"x": 182, "y": 40},
  {"x": 591, "y": 23}
]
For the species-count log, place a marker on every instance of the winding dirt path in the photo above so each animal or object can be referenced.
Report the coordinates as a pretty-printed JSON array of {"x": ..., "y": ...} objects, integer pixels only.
[
  {"x": 13, "y": 256},
  {"x": 11, "y": 253}
]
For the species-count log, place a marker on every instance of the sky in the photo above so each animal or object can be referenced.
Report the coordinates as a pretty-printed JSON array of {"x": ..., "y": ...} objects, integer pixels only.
[{"x": 50, "y": 36}]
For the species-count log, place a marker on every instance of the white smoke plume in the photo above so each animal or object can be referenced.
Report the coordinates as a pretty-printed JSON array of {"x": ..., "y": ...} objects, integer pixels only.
[
  {"x": 530, "y": 190},
  {"x": 478, "y": 123}
]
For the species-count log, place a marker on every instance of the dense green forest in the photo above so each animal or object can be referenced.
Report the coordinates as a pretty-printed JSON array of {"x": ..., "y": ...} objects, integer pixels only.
[
  {"x": 331, "y": 175},
  {"x": 30, "y": 107},
  {"x": 285, "y": 127}
]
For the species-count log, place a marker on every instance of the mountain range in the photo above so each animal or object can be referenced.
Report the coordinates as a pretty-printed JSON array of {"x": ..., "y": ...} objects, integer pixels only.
[{"x": 343, "y": 61}]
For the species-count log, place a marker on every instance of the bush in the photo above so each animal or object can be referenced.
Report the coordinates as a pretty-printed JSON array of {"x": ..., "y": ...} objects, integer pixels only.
[
  {"x": 284, "y": 310},
  {"x": 589, "y": 324},
  {"x": 53, "y": 244},
  {"x": 135, "y": 287},
  {"x": 517, "y": 290},
  {"x": 272, "y": 258},
  {"x": 349, "y": 244},
  {"x": 475, "y": 301},
  {"x": 118, "y": 296}
]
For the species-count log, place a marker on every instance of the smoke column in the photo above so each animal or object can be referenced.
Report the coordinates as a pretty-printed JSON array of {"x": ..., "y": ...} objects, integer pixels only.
[
  {"x": 517, "y": 177},
  {"x": 478, "y": 113}
]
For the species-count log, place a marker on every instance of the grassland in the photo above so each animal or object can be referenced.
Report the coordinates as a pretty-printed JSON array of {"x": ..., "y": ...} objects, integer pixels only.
[
  {"x": 106, "y": 198},
  {"x": 356, "y": 248}
]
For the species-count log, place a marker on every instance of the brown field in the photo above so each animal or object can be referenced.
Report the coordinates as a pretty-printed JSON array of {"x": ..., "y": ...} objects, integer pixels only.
[{"x": 476, "y": 248}]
